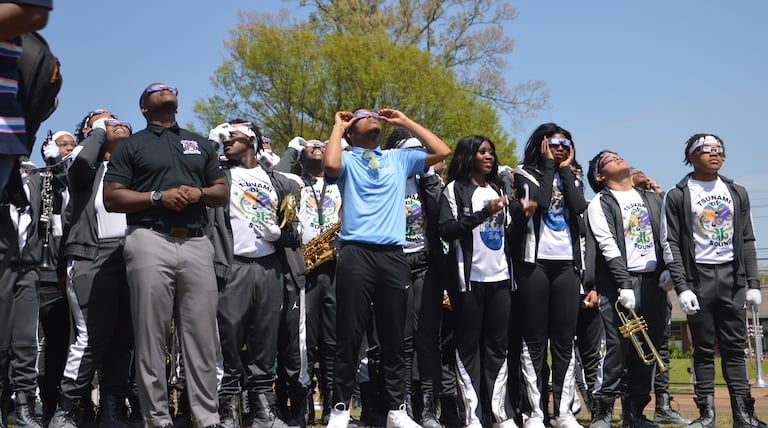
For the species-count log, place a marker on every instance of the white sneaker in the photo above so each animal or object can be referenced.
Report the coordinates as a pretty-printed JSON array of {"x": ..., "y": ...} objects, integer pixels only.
[
  {"x": 576, "y": 405},
  {"x": 509, "y": 423},
  {"x": 339, "y": 417},
  {"x": 399, "y": 419},
  {"x": 533, "y": 422},
  {"x": 567, "y": 421}
]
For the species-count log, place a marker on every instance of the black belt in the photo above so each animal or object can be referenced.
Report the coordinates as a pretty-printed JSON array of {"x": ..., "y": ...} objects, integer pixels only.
[
  {"x": 644, "y": 274},
  {"x": 177, "y": 232},
  {"x": 247, "y": 260}
]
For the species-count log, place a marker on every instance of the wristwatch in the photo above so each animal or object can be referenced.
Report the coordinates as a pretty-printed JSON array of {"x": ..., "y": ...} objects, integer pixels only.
[{"x": 156, "y": 197}]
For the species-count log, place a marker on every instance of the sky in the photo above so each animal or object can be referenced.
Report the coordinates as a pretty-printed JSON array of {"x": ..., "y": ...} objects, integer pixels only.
[{"x": 637, "y": 78}]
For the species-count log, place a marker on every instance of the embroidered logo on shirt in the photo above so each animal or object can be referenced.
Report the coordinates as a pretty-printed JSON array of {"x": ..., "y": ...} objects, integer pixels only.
[{"x": 190, "y": 147}]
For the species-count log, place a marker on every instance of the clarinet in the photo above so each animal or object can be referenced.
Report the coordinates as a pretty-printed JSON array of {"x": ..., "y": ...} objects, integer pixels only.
[{"x": 46, "y": 217}]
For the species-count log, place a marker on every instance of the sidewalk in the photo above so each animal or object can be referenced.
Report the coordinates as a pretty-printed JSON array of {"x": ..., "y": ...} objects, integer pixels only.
[{"x": 683, "y": 403}]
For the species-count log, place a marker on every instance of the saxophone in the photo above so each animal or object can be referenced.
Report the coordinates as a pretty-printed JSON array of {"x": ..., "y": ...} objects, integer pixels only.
[{"x": 319, "y": 249}]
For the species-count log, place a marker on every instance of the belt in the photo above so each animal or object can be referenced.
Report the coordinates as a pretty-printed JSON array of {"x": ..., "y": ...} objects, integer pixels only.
[
  {"x": 248, "y": 260},
  {"x": 177, "y": 232},
  {"x": 644, "y": 274}
]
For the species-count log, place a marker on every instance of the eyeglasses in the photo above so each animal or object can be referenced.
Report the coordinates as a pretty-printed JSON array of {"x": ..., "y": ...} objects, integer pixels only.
[
  {"x": 606, "y": 160},
  {"x": 554, "y": 142},
  {"x": 711, "y": 149},
  {"x": 115, "y": 122},
  {"x": 373, "y": 163},
  {"x": 66, "y": 144},
  {"x": 160, "y": 87},
  {"x": 266, "y": 140},
  {"x": 313, "y": 145},
  {"x": 363, "y": 114}
]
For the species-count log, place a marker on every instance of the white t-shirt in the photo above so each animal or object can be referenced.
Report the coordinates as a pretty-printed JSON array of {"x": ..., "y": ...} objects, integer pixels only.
[
  {"x": 554, "y": 233},
  {"x": 415, "y": 223},
  {"x": 712, "y": 220},
  {"x": 109, "y": 224},
  {"x": 638, "y": 233},
  {"x": 252, "y": 205},
  {"x": 311, "y": 198},
  {"x": 489, "y": 262}
]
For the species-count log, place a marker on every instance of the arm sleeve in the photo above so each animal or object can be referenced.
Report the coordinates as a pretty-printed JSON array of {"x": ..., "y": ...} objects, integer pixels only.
[
  {"x": 119, "y": 168},
  {"x": 86, "y": 163},
  {"x": 670, "y": 240},
  {"x": 574, "y": 196},
  {"x": 599, "y": 225},
  {"x": 749, "y": 250},
  {"x": 452, "y": 228},
  {"x": 290, "y": 156}
]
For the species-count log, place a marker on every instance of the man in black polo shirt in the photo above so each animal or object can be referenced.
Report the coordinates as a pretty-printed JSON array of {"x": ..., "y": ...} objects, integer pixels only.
[{"x": 163, "y": 177}]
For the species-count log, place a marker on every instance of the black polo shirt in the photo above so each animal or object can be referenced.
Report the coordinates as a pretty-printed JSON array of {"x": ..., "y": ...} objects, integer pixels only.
[{"x": 159, "y": 158}]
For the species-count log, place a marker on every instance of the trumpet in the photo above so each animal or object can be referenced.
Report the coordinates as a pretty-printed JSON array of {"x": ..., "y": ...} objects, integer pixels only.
[
  {"x": 634, "y": 328},
  {"x": 755, "y": 332}
]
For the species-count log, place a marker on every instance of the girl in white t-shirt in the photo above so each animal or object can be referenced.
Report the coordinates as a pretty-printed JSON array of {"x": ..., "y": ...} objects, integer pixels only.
[{"x": 475, "y": 216}]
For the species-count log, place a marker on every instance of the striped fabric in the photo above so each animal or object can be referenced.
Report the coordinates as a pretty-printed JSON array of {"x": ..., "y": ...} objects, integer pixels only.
[{"x": 12, "y": 131}]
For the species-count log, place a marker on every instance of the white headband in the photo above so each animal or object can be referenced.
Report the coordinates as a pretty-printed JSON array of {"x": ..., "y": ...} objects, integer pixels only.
[
  {"x": 703, "y": 140},
  {"x": 409, "y": 143},
  {"x": 245, "y": 129},
  {"x": 60, "y": 134}
]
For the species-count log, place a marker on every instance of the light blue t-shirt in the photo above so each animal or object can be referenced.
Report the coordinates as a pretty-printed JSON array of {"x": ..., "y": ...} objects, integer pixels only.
[{"x": 372, "y": 208}]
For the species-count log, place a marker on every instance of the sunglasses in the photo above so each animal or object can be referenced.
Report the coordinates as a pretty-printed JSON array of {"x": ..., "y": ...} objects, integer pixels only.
[
  {"x": 66, "y": 144},
  {"x": 115, "y": 122},
  {"x": 606, "y": 160},
  {"x": 373, "y": 163},
  {"x": 554, "y": 142},
  {"x": 158, "y": 88},
  {"x": 266, "y": 140},
  {"x": 711, "y": 149},
  {"x": 313, "y": 145},
  {"x": 363, "y": 114}
]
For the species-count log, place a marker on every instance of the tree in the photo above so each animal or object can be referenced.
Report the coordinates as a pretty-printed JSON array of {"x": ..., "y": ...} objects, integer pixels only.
[
  {"x": 291, "y": 77},
  {"x": 466, "y": 36}
]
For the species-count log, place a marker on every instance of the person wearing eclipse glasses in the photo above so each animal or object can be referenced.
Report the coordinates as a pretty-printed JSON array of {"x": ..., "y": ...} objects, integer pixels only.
[
  {"x": 709, "y": 247},
  {"x": 371, "y": 265},
  {"x": 163, "y": 178},
  {"x": 97, "y": 289},
  {"x": 547, "y": 262}
]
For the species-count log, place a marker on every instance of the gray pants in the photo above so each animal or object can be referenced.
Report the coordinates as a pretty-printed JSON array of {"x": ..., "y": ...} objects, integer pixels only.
[{"x": 173, "y": 277}]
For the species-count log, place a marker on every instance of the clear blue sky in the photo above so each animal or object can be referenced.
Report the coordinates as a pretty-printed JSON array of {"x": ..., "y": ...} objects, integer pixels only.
[{"x": 635, "y": 77}]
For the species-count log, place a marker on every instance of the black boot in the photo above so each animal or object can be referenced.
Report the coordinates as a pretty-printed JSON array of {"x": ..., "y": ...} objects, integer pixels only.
[
  {"x": 228, "y": 415},
  {"x": 264, "y": 411},
  {"x": 632, "y": 414},
  {"x": 69, "y": 414},
  {"x": 428, "y": 417},
  {"x": 449, "y": 411},
  {"x": 664, "y": 414},
  {"x": 114, "y": 413},
  {"x": 25, "y": 406},
  {"x": 602, "y": 412},
  {"x": 744, "y": 413},
  {"x": 297, "y": 412},
  {"x": 327, "y": 397},
  {"x": 706, "y": 417}
]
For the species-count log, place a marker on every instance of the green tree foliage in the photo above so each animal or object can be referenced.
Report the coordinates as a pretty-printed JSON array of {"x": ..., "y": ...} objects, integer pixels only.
[{"x": 291, "y": 77}]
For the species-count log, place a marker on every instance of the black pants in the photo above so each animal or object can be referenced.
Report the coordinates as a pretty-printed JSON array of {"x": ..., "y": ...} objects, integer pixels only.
[
  {"x": 549, "y": 301},
  {"x": 292, "y": 370},
  {"x": 661, "y": 383},
  {"x": 19, "y": 305},
  {"x": 320, "y": 298},
  {"x": 589, "y": 340},
  {"x": 721, "y": 319},
  {"x": 482, "y": 336},
  {"x": 366, "y": 274},
  {"x": 250, "y": 308},
  {"x": 54, "y": 320},
  {"x": 621, "y": 359},
  {"x": 423, "y": 326},
  {"x": 99, "y": 303}
]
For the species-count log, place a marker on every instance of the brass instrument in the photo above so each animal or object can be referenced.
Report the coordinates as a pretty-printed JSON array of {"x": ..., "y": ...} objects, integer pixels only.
[
  {"x": 755, "y": 332},
  {"x": 320, "y": 249},
  {"x": 288, "y": 209},
  {"x": 634, "y": 328}
]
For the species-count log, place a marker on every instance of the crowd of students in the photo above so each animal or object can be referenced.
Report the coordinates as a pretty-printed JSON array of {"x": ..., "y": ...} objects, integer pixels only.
[{"x": 178, "y": 274}]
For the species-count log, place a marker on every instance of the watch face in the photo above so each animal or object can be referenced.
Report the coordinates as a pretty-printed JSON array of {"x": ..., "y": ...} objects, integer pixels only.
[{"x": 156, "y": 196}]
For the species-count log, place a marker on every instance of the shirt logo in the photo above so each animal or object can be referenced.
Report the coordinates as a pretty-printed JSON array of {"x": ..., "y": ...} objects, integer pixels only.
[{"x": 190, "y": 147}]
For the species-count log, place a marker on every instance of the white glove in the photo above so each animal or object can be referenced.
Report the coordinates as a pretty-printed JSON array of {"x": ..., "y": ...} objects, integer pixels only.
[
  {"x": 627, "y": 298},
  {"x": 219, "y": 133},
  {"x": 754, "y": 298},
  {"x": 689, "y": 304},
  {"x": 298, "y": 144},
  {"x": 100, "y": 124},
  {"x": 271, "y": 233},
  {"x": 665, "y": 281},
  {"x": 51, "y": 150}
]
